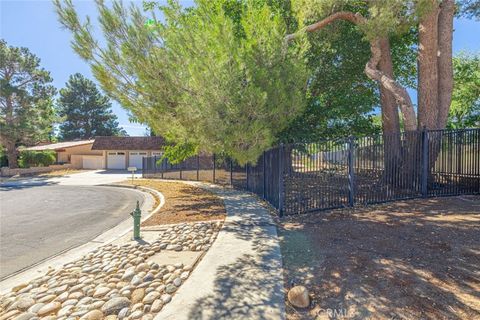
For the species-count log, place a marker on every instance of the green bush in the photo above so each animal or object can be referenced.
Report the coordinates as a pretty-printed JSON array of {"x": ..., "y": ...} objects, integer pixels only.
[
  {"x": 36, "y": 159},
  {"x": 3, "y": 158}
]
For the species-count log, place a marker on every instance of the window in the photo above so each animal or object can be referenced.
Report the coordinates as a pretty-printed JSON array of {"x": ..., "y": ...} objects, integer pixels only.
[
  {"x": 133, "y": 153},
  {"x": 121, "y": 153},
  {"x": 112, "y": 153},
  {"x": 142, "y": 153}
]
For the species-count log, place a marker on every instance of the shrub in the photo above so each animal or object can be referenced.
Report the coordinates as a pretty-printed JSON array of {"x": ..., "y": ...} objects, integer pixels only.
[
  {"x": 36, "y": 159},
  {"x": 3, "y": 158}
]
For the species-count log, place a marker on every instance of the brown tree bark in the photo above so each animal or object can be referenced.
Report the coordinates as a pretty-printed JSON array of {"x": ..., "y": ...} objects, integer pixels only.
[
  {"x": 390, "y": 118},
  {"x": 400, "y": 93},
  {"x": 428, "y": 68},
  {"x": 12, "y": 155},
  {"x": 444, "y": 62}
]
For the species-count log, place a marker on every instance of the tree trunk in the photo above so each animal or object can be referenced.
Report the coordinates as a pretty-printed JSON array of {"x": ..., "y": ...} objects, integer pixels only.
[
  {"x": 444, "y": 63},
  {"x": 390, "y": 118},
  {"x": 400, "y": 93},
  {"x": 428, "y": 69},
  {"x": 12, "y": 155}
]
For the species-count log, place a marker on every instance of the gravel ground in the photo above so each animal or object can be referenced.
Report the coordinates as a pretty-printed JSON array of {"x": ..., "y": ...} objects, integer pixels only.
[{"x": 112, "y": 282}]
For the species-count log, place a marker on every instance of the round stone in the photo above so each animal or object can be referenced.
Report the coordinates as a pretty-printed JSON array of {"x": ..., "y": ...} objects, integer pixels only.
[
  {"x": 170, "y": 288},
  {"x": 156, "y": 305},
  {"x": 123, "y": 313},
  {"x": 136, "y": 280},
  {"x": 93, "y": 315},
  {"x": 65, "y": 311},
  {"x": 137, "y": 295},
  {"x": 36, "y": 307},
  {"x": 47, "y": 298},
  {"x": 25, "y": 316},
  {"x": 49, "y": 308},
  {"x": 63, "y": 297},
  {"x": 177, "y": 282},
  {"x": 100, "y": 292},
  {"x": 298, "y": 297},
  {"x": 152, "y": 296},
  {"x": 166, "y": 298},
  {"x": 129, "y": 274},
  {"x": 24, "y": 303},
  {"x": 141, "y": 267},
  {"x": 114, "y": 305},
  {"x": 136, "y": 314}
]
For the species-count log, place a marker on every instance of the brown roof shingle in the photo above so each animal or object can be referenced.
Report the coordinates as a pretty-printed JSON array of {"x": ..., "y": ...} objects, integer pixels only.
[{"x": 128, "y": 143}]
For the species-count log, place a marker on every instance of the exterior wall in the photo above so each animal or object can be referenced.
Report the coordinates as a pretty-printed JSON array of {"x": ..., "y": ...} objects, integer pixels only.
[
  {"x": 86, "y": 149},
  {"x": 127, "y": 155},
  {"x": 7, "y": 172},
  {"x": 76, "y": 161}
]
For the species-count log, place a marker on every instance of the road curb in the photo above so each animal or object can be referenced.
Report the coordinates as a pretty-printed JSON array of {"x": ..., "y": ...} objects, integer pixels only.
[{"x": 71, "y": 254}]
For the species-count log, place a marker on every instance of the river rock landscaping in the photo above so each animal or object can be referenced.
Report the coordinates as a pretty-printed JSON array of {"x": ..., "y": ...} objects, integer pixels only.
[{"x": 111, "y": 282}]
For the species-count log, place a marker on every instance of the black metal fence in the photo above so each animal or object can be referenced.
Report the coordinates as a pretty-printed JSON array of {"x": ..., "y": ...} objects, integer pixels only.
[{"x": 305, "y": 177}]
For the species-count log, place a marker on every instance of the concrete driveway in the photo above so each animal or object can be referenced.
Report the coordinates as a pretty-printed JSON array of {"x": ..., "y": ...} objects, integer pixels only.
[{"x": 43, "y": 217}]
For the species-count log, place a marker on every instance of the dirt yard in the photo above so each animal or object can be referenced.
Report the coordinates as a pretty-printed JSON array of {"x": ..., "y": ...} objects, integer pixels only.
[
  {"x": 184, "y": 203},
  {"x": 416, "y": 259}
]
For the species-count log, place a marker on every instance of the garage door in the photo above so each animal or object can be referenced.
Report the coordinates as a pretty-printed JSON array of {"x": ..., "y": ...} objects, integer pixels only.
[
  {"x": 116, "y": 160},
  {"x": 92, "y": 162},
  {"x": 135, "y": 159}
]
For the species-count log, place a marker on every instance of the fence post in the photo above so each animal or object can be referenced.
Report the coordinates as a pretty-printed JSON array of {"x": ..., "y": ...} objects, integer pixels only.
[
  {"x": 351, "y": 173},
  {"x": 246, "y": 172},
  {"x": 162, "y": 166},
  {"x": 231, "y": 172},
  {"x": 424, "y": 162},
  {"x": 155, "y": 165},
  {"x": 264, "y": 179},
  {"x": 198, "y": 167},
  {"x": 280, "y": 180},
  {"x": 213, "y": 168}
]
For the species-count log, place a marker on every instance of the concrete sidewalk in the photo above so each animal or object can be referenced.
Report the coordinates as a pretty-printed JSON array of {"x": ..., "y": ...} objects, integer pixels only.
[{"x": 240, "y": 277}]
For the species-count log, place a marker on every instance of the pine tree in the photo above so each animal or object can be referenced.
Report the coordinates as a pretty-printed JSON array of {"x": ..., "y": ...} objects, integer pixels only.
[
  {"x": 26, "y": 95},
  {"x": 86, "y": 113}
]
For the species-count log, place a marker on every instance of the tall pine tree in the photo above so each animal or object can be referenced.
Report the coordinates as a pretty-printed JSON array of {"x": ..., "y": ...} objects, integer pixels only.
[
  {"x": 26, "y": 100},
  {"x": 86, "y": 113}
]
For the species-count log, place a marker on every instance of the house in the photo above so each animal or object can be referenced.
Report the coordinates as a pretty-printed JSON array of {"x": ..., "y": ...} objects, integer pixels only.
[
  {"x": 105, "y": 152},
  {"x": 123, "y": 152}
]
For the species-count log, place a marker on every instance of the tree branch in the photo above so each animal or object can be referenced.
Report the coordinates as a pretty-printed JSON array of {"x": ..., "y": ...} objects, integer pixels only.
[{"x": 400, "y": 93}]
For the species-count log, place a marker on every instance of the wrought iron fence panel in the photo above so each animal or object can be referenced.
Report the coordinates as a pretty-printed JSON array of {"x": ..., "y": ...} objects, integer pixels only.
[{"x": 303, "y": 177}]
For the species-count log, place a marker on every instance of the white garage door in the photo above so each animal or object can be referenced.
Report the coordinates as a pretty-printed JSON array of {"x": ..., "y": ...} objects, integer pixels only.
[
  {"x": 135, "y": 159},
  {"x": 116, "y": 160},
  {"x": 92, "y": 162}
]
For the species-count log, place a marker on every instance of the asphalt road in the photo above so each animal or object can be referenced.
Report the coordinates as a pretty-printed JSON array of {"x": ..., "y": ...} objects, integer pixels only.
[{"x": 37, "y": 222}]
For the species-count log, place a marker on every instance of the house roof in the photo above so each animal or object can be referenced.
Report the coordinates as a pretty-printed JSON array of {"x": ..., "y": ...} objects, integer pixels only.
[
  {"x": 60, "y": 145},
  {"x": 128, "y": 143}
]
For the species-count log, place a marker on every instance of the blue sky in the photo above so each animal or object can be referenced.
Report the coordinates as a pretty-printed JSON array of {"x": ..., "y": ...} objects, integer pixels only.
[{"x": 33, "y": 24}]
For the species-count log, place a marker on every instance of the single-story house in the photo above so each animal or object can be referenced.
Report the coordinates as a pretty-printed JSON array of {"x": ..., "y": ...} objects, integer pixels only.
[
  {"x": 105, "y": 152},
  {"x": 123, "y": 152}
]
